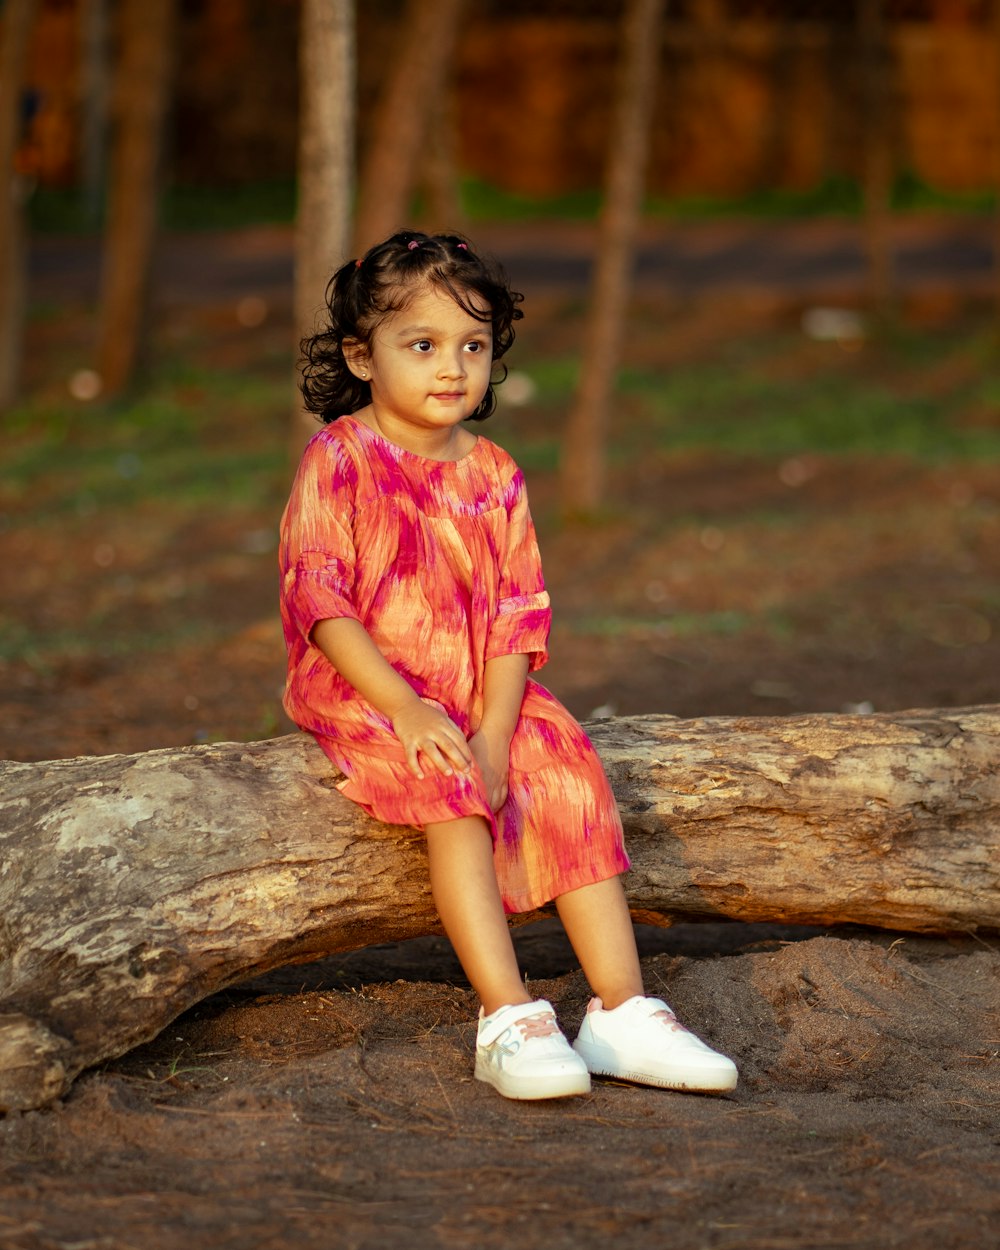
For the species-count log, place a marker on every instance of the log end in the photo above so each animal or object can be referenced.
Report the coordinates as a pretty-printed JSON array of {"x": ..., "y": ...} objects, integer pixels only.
[{"x": 32, "y": 1071}]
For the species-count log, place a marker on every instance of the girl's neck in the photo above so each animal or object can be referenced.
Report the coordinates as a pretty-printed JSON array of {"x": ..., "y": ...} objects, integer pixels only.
[{"x": 453, "y": 443}]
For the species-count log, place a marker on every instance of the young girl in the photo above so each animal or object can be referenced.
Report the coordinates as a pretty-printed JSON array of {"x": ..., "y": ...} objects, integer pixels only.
[{"x": 414, "y": 608}]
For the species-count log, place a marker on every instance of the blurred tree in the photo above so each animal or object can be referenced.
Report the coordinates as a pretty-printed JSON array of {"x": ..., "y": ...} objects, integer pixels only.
[
  {"x": 16, "y": 17},
  {"x": 584, "y": 453},
  {"x": 996, "y": 150},
  {"x": 775, "y": 139},
  {"x": 142, "y": 97},
  {"x": 877, "y": 164},
  {"x": 413, "y": 99},
  {"x": 327, "y": 70},
  {"x": 92, "y": 21},
  {"x": 439, "y": 177}
]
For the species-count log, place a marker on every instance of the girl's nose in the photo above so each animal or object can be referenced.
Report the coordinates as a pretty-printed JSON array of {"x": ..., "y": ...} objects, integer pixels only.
[{"x": 452, "y": 365}]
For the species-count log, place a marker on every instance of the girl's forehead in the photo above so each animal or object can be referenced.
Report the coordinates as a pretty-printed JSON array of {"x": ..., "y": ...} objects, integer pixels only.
[{"x": 430, "y": 305}]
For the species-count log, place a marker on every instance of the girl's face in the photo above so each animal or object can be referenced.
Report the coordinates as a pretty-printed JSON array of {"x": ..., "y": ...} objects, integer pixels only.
[{"x": 428, "y": 365}]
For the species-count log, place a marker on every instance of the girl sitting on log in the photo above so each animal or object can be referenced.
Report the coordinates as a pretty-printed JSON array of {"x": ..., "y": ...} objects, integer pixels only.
[{"x": 414, "y": 608}]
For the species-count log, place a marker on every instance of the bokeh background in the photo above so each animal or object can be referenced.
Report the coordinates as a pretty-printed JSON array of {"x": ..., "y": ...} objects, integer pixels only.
[{"x": 755, "y": 392}]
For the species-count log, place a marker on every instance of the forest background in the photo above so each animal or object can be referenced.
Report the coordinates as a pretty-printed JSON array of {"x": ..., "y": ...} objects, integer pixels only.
[{"x": 803, "y": 294}]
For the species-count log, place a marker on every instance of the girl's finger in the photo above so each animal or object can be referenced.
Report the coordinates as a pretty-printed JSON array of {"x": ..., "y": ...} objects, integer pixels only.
[
  {"x": 452, "y": 737},
  {"x": 458, "y": 752},
  {"x": 413, "y": 762},
  {"x": 432, "y": 753}
]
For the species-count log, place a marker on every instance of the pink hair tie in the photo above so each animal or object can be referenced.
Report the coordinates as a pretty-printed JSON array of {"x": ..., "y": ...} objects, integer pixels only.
[{"x": 413, "y": 243}]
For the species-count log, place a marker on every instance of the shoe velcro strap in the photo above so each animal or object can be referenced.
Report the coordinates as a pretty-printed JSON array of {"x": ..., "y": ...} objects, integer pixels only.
[{"x": 508, "y": 1016}]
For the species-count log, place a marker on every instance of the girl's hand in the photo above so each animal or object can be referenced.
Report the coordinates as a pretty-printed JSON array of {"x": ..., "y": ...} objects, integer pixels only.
[
  {"x": 424, "y": 730},
  {"x": 492, "y": 754}
]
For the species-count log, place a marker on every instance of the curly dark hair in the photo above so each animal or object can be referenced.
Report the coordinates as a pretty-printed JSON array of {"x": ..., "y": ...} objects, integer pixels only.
[{"x": 362, "y": 293}]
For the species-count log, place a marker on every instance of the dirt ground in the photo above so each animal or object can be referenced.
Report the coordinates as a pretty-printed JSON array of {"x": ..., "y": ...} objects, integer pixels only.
[{"x": 333, "y": 1105}]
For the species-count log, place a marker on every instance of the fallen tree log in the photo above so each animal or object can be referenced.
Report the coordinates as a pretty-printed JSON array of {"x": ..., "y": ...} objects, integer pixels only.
[{"x": 133, "y": 886}]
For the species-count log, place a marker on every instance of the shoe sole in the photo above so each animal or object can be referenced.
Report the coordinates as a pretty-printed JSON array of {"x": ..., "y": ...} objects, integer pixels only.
[
  {"x": 601, "y": 1062},
  {"x": 533, "y": 1089}
]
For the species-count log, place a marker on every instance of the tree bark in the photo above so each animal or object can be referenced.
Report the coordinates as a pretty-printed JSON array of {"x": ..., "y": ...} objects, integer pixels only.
[
  {"x": 410, "y": 100},
  {"x": 92, "y": 24},
  {"x": 775, "y": 139},
  {"x": 15, "y": 29},
  {"x": 996, "y": 160},
  {"x": 133, "y": 886},
  {"x": 439, "y": 179},
  {"x": 585, "y": 442},
  {"x": 142, "y": 96},
  {"x": 327, "y": 71},
  {"x": 877, "y": 172}
]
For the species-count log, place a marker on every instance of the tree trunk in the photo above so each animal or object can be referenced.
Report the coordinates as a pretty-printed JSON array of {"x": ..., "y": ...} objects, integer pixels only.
[
  {"x": 775, "y": 139},
  {"x": 996, "y": 157},
  {"x": 877, "y": 173},
  {"x": 395, "y": 147},
  {"x": 584, "y": 452},
  {"x": 93, "y": 103},
  {"x": 142, "y": 96},
  {"x": 439, "y": 180},
  {"x": 327, "y": 70},
  {"x": 133, "y": 886},
  {"x": 15, "y": 28}
]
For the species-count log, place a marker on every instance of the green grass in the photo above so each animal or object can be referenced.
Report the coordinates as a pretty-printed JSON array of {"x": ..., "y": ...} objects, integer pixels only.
[
  {"x": 482, "y": 201},
  {"x": 193, "y": 437},
  {"x": 753, "y": 415},
  {"x": 833, "y": 196},
  {"x": 740, "y": 400},
  {"x": 198, "y": 437},
  {"x": 202, "y": 447},
  {"x": 677, "y": 624},
  {"x": 64, "y": 210},
  {"x": 92, "y": 636}
]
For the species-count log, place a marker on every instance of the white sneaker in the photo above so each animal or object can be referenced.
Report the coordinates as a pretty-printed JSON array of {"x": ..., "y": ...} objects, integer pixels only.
[
  {"x": 642, "y": 1040},
  {"x": 521, "y": 1052}
]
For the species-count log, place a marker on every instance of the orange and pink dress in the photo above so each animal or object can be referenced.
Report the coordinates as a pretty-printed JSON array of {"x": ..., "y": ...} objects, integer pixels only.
[{"x": 438, "y": 561}]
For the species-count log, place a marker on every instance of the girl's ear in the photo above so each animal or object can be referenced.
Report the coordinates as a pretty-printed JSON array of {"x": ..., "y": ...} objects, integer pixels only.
[{"x": 356, "y": 358}]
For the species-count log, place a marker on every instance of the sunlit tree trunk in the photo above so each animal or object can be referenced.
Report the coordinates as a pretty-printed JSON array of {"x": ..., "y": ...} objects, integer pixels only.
[
  {"x": 142, "y": 97},
  {"x": 584, "y": 457},
  {"x": 877, "y": 170},
  {"x": 410, "y": 98},
  {"x": 15, "y": 27},
  {"x": 327, "y": 71},
  {"x": 93, "y": 97}
]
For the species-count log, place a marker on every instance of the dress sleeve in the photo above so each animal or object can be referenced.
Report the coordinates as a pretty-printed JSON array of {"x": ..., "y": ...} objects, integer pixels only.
[
  {"x": 316, "y": 549},
  {"x": 523, "y": 616}
]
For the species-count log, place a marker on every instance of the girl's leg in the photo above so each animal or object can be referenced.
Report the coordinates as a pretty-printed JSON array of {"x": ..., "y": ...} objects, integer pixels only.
[
  {"x": 643, "y": 1042},
  {"x": 467, "y": 898},
  {"x": 598, "y": 924}
]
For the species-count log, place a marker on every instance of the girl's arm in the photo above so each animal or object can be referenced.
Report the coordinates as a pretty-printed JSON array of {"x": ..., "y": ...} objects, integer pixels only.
[
  {"x": 503, "y": 692},
  {"x": 421, "y": 728}
]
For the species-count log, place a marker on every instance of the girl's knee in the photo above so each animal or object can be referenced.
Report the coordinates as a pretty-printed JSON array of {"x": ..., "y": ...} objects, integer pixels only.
[{"x": 462, "y": 827}]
